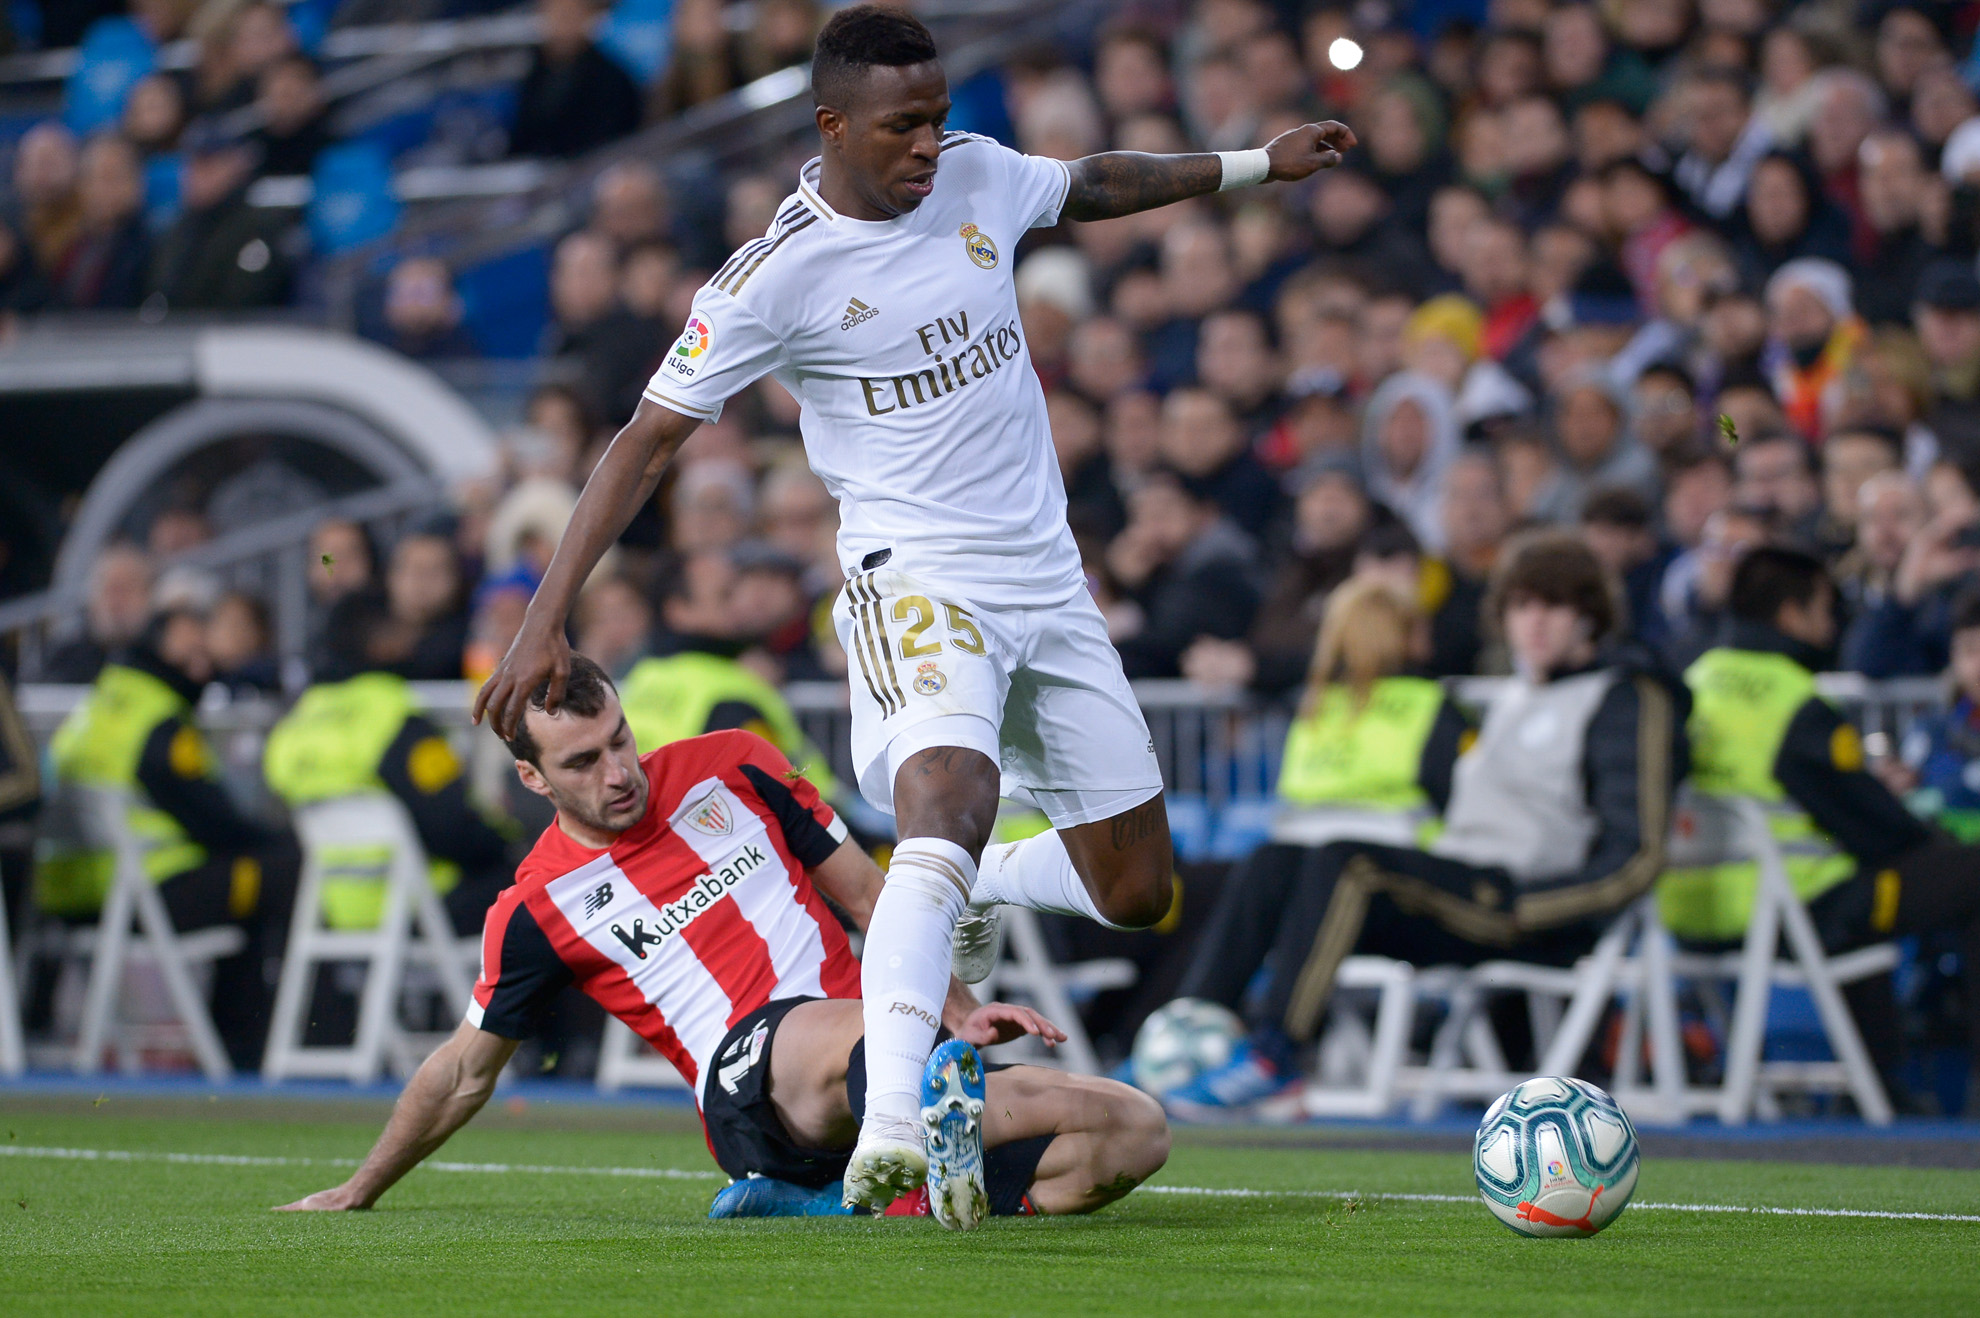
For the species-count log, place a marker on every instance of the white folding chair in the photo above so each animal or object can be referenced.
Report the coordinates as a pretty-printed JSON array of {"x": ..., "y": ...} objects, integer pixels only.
[
  {"x": 13, "y": 1052},
  {"x": 1715, "y": 829},
  {"x": 413, "y": 928},
  {"x": 626, "y": 1061},
  {"x": 1028, "y": 970},
  {"x": 1465, "y": 1060},
  {"x": 100, "y": 816}
]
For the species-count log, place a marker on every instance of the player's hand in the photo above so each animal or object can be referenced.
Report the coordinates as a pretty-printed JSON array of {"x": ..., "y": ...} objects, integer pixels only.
[
  {"x": 1308, "y": 149},
  {"x": 1000, "y": 1022},
  {"x": 339, "y": 1200},
  {"x": 536, "y": 653}
]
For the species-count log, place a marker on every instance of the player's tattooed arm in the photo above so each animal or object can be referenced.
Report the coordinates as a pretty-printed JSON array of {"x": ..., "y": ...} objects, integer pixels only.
[
  {"x": 623, "y": 481},
  {"x": 1116, "y": 183}
]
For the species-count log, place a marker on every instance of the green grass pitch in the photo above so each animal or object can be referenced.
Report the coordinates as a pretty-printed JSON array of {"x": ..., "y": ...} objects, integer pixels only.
[{"x": 156, "y": 1236}]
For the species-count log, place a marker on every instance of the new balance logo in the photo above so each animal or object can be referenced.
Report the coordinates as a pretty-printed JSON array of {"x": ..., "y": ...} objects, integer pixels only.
[
  {"x": 857, "y": 313},
  {"x": 598, "y": 899}
]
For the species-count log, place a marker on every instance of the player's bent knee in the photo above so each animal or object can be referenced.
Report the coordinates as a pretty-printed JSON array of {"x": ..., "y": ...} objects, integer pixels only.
[
  {"x": 1141, "y": 890},
  {"x": 1133, "y": 1144}
]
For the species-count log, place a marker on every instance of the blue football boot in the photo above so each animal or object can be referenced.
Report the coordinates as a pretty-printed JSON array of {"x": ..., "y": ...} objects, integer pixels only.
[
  {"x": 759, "y": 1196},
  {"x": 952, "y": 1125},
  {"x": 1249, "y": 1077}
]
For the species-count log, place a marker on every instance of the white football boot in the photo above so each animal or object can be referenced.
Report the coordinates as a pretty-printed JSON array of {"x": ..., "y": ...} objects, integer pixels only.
[
  {"x": 888, "y": 1162},
  {"x": 979, "y": 943}
]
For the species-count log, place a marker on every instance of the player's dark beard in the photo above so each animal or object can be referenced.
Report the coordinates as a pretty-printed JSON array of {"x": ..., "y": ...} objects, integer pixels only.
[{"x": 595, "y": 818}]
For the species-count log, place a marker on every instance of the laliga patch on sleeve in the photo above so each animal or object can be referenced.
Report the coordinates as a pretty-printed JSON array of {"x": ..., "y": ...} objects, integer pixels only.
[{"x": 690, "y": 352}]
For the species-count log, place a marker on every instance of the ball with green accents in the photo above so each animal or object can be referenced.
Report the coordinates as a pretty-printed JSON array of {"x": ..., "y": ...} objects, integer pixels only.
[{"x": 1556, "y": 1157}]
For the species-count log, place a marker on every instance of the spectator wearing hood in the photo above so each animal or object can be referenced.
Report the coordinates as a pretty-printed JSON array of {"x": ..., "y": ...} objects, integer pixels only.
[
  {"x": 1189, "y": 568},
  {"x": 1814, "y": 335},
  {"x": 1409, "y": 434},
  {"x": 1592, "y": 437}
]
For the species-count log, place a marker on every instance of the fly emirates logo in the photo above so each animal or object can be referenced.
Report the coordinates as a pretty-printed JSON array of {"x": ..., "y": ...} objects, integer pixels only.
[
  {"x": 678, "y": 915},
  {"x": 956, "y": 363}
]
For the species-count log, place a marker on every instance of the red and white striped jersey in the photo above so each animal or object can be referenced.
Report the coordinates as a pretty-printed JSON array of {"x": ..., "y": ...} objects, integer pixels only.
[{"x": 696, "y": 916}]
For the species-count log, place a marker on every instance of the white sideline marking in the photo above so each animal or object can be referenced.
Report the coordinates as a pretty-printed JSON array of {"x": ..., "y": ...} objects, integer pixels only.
[
  {"x": 683, "y": 1174},
  {"x": 1651, "y": 1205}
]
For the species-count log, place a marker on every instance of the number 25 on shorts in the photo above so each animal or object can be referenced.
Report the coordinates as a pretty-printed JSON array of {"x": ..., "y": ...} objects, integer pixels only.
[{"x": 962, "y": 629}]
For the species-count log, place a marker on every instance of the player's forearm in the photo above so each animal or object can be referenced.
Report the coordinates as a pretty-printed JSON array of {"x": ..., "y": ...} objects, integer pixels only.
[
  {"x": 959, "y": 1004},
  {"x": 623, "y": 481},
  {"x": 1116, "y": 183},
  {"x": 443, "y": 1095}
]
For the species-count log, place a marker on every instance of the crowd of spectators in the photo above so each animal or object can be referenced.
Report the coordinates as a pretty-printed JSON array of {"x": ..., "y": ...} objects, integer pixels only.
[{"x": 1689, "y": 277}]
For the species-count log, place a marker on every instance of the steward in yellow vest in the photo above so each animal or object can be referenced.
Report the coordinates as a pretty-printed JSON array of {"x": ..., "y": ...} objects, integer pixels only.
[
  {"x": 1867, "y": 868},
  {"x": 359, "y": 731},
  {"x": 213, "y": 864},
  {"x": 1369, "y": 756},
  {"x": 684, "y": 695}
]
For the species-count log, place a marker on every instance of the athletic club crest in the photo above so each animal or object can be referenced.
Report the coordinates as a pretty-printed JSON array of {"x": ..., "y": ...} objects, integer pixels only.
[
  {"x": 928, "y": 679},
  {"x": 711, "y": 815},
  {"x": 981, "y": 250}
]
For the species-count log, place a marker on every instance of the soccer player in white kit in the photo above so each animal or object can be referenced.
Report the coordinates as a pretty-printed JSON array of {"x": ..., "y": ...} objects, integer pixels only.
[{"x": 882, "y": 298}]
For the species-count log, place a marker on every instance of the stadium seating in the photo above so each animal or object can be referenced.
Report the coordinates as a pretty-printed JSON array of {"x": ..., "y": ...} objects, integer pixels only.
[
  {"x": 99, "y": 815},
  {"x": 1028, "y": 970},
  {"x": 13, "y": 1055},
  {"x": 410, "y": 905},
  {"x": 1751, "y": 1083},
  {"x": 625, "y": 1061}
]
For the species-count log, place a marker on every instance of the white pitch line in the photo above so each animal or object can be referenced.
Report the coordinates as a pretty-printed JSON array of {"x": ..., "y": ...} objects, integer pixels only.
[
  {"x": 684, "y": 1174},
  {"x": 1641, "y": 1204}
]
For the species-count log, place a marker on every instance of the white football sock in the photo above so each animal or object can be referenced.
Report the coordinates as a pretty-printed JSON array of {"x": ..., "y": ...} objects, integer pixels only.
[
  {"x": 1036, "y": 873},
  {"x": 904, "y": 968}
]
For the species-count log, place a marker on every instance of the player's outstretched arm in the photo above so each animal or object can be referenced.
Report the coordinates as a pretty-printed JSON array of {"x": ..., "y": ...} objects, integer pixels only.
[
  {"x": 1122, "y": 182},
  {"x": 449, "y": 1088},
  {"x": 623, "y": 481}
]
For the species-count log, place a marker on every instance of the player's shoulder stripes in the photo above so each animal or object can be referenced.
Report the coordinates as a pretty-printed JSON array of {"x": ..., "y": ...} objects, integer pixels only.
[
  {"x": 960, "y": 138},
  {"x": 749, "y": 258}
]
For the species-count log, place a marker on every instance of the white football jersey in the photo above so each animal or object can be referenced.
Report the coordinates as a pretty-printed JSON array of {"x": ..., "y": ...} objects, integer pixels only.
[{"x": 900, "y": 338}]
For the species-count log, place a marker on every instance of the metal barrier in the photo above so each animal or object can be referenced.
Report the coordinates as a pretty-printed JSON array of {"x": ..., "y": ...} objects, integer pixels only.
[{"x": 1215, "y": 748}]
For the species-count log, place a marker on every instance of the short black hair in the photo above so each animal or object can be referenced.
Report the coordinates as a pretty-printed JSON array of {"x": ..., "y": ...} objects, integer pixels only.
[
  {"x": 1618, "y": 506},
  {"x": 863, "y": 37},
  {"x": 584, "y": 695},
  {"x": 1769, "y": 576}
]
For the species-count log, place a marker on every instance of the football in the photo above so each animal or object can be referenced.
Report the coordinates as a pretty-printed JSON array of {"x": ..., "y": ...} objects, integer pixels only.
[
  {"x": 1181, "y": 1041},
  {"x": 1555, "y": 1157}
]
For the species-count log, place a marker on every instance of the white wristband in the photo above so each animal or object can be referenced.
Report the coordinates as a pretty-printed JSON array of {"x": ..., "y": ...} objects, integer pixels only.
[{"x": 1243, "y": 169}]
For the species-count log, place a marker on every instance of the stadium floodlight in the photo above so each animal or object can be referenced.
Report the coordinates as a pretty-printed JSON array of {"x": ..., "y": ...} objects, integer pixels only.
[{"x": 1344, "y": 54}]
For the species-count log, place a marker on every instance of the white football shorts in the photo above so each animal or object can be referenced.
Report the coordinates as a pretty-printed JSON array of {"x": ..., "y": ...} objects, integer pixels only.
[{"x": 1038, "y": 690}]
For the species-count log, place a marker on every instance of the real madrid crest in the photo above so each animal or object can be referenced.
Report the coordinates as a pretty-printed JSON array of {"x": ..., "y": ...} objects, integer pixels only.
[
  {"x": 981, "y": 250},
  {"x": 928, "y": 679}
]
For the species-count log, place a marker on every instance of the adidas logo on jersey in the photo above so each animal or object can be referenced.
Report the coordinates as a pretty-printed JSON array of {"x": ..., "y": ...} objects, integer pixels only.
[{"x": 857, "y": 313}]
